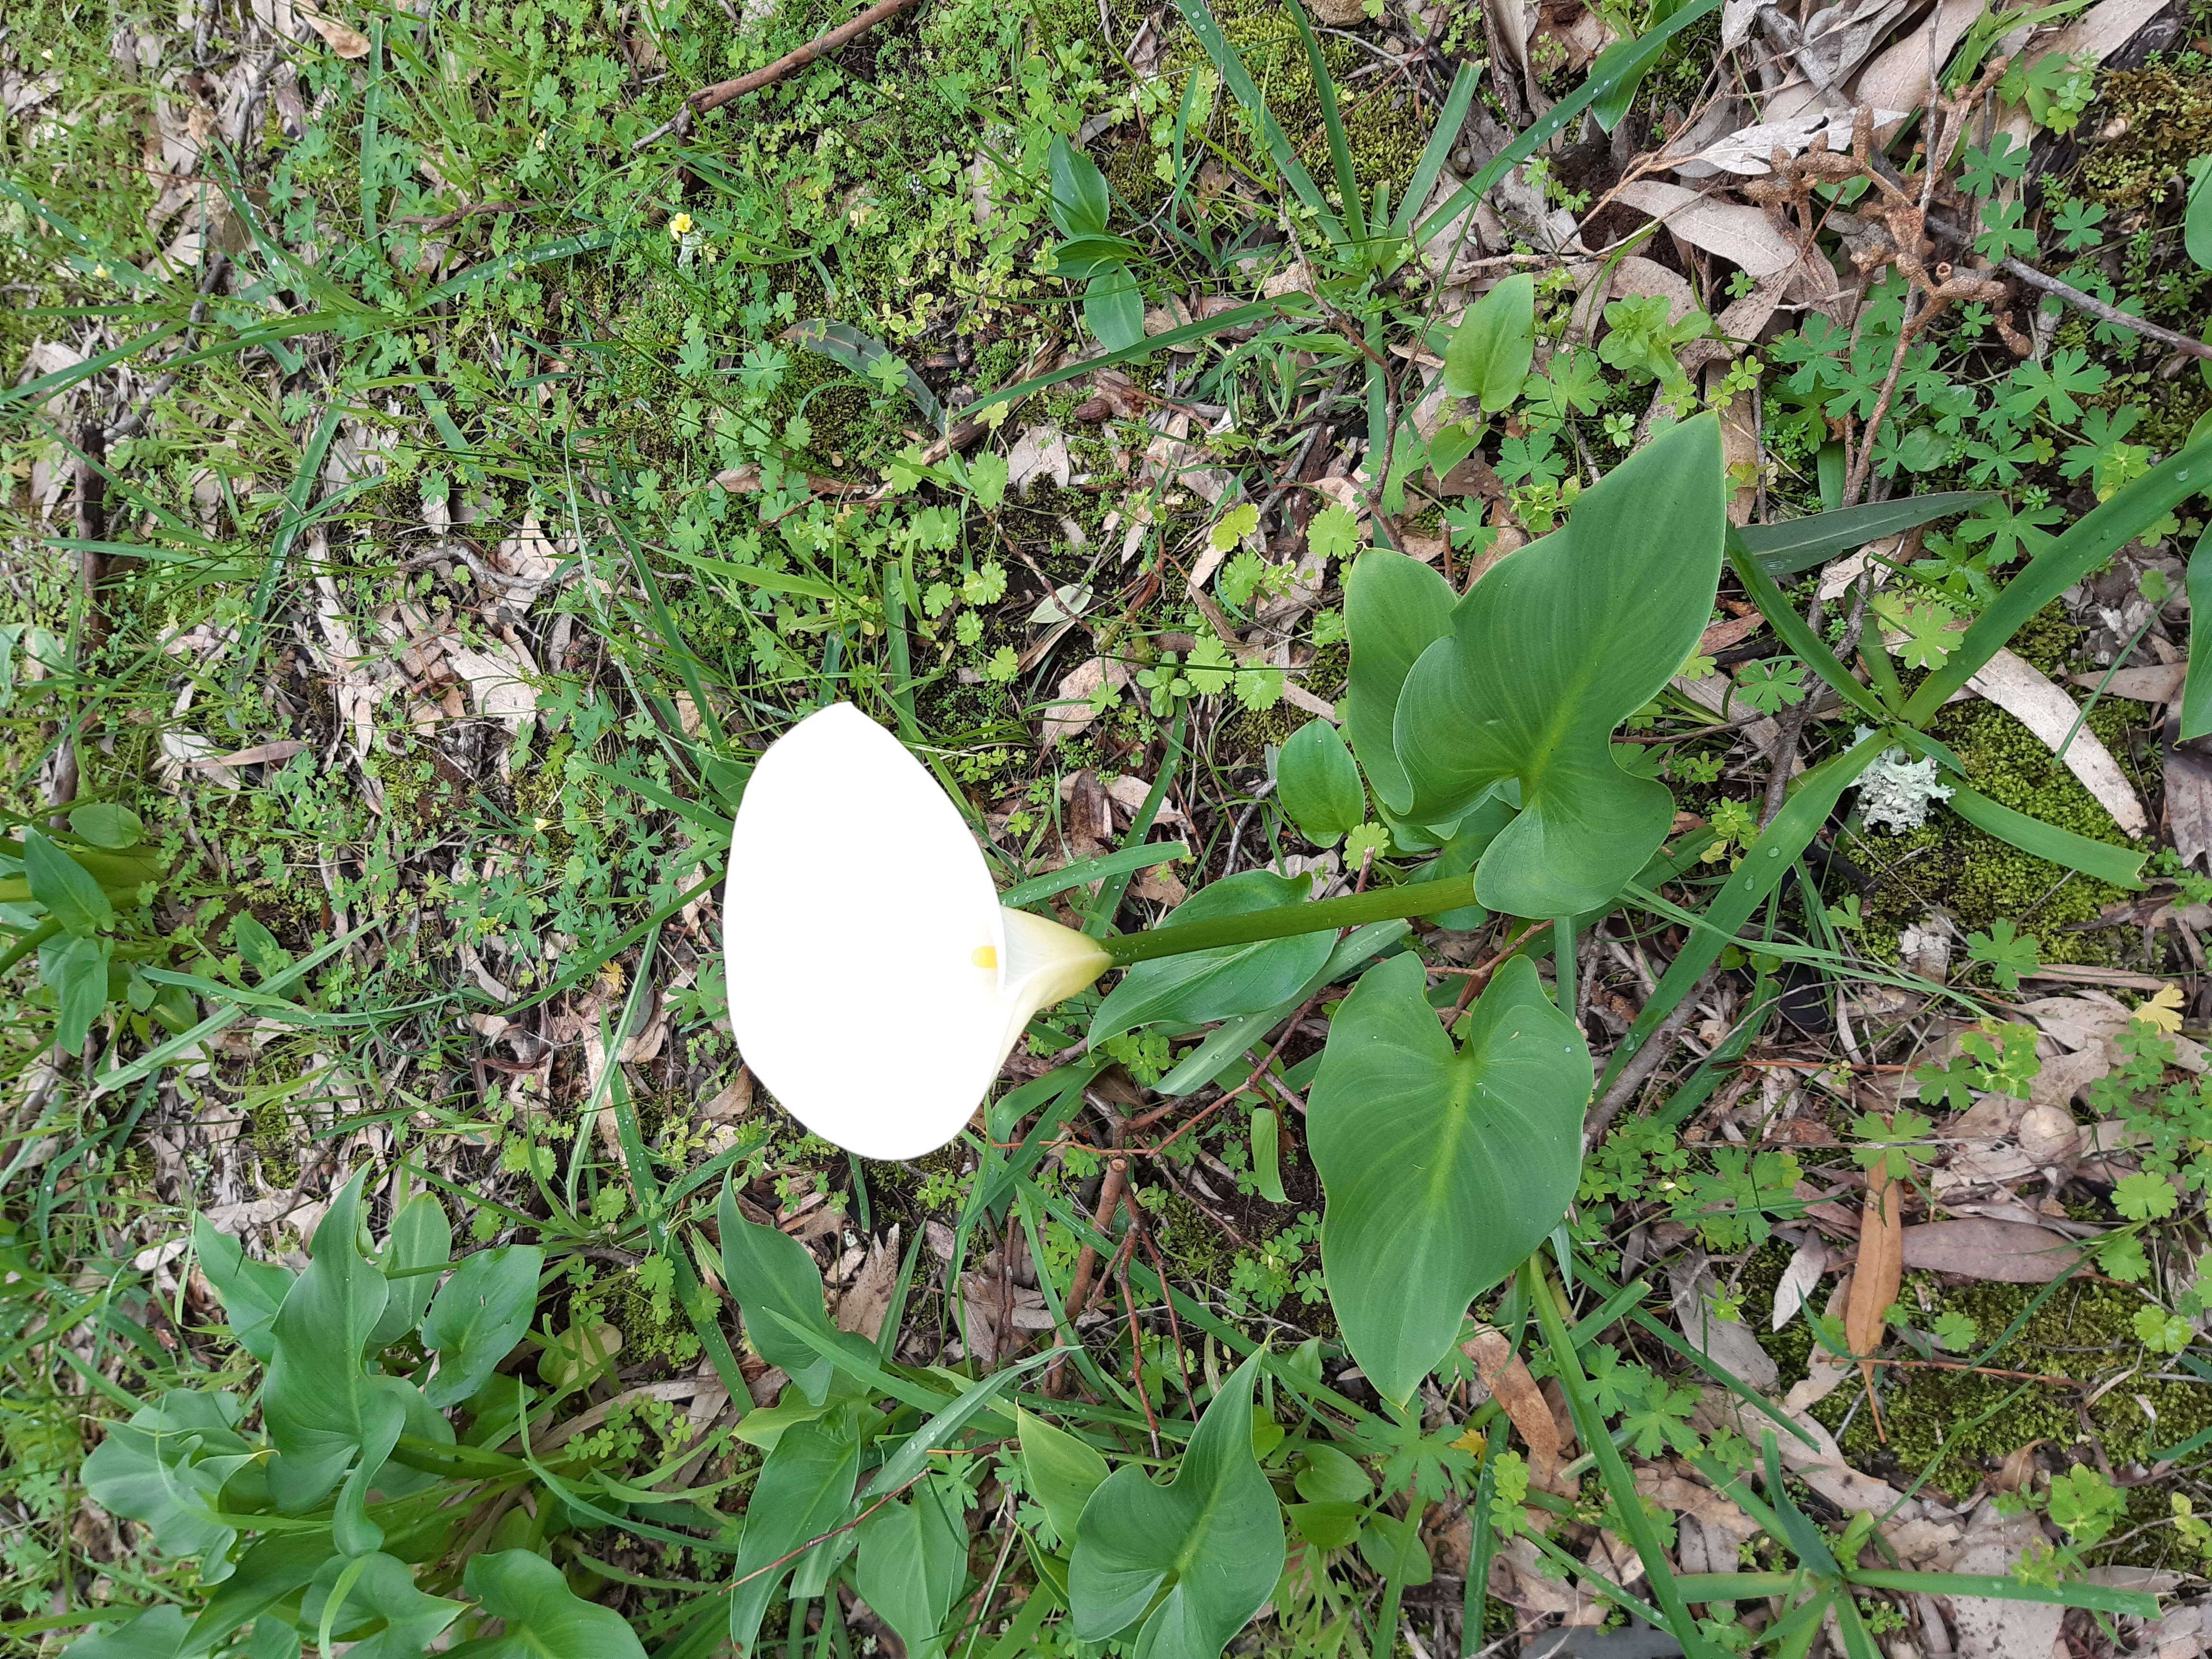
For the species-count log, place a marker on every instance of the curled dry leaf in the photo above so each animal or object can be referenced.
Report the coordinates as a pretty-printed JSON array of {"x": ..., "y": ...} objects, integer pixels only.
[
  {"x": 2022, "y": 691},
  {"x": 1749, "y": 151},
  {"x": 1879, "y": 1271},
  {"x": 1807, "y": 1263},
  {"x": 1506, "y": 1375},
  {"x": 345, "y": 42}
]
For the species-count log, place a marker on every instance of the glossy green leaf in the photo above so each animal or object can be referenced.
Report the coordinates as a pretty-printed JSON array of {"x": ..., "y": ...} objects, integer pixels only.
[
  {"x": 1212, "y": 1542},
  {"x": 1113, "y": 307},
  {"x": 1080, "y": 257},
  {"x": 1061, "y": 1471},
  {"x": 383, "y": 1615},
  {"x": 2120, "y": 866},
  {"x": 1080, "y": 202},
  {"x": 544, "y": 1618},
  {"x": 912, "y": 1560},
  {"x": 107, "y": 826},
  {"x": 1394, "y": 609},
  {"x": 75, "y": 968},
  {"x": 1393, "y": 1549},
  {"x": 1317, "y": 782},
  {"x": 1548, "y": 653},
  {"x": 325, "y": 1409},
  {"x": 420, "y": 1237},
  {"x": 70, "y": 892},
  {"x": 767, "y": 1270},
  {"x": 1267, "y": 1154},
  {"x": 252, "y": 1291},
  {"x": 158, "y": 1634},
  {"x": 1223, "y": 983},
  {"x": 802, "y": 1491},
  {"x": 1798, "y": 544},
  {"x": 1490, "y": 355},
  {"x": 272, "y": 1568},
  {"x": 165, "y": 1467},
  {"x": 477, "y": 1316},
  {"x": 1444, "y": 1167}
]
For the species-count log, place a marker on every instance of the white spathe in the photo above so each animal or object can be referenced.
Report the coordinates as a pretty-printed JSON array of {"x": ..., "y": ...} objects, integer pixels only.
[{"x": 876, "y": 982}]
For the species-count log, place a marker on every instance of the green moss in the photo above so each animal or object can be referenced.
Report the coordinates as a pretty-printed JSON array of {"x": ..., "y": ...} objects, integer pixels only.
[
  {"x": 1977, "y": 878},
  {"x": 1382, "y": 130},
  {"x": 2169, "y": 122},
  {"x": 1965, "y": 1423}
]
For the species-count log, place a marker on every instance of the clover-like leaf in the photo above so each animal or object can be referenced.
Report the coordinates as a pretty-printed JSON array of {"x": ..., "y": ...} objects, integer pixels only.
[
  {"x": 1444, "y": 1167},
  {"x": 1213, "y": 1540},
  {"x": 1552, "y": 649}
]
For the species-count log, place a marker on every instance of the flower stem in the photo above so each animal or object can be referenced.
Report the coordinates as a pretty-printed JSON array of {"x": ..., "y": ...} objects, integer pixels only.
[{"x": 1420, "y": 898}]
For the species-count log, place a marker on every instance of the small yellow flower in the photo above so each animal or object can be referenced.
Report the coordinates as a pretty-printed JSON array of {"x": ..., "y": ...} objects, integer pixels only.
[{"x": 680, "y": 226}]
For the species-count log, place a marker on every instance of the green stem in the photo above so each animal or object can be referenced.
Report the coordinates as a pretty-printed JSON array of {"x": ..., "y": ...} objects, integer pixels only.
[
  {"x": 1420, "y": 898},
  {"x": 30, "y": 942}
]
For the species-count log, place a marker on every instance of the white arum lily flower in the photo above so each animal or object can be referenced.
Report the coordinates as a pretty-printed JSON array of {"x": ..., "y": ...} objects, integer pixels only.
[{"x": 876, "y": 982}]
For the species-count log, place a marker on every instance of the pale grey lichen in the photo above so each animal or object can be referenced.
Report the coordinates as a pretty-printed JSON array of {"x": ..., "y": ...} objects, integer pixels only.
[{"x": 1897, "y": 790}]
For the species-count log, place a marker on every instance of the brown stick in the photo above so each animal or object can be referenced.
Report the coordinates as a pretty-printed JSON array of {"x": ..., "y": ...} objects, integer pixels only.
[
  {"x": 1086, "y": 1265},
  {"x": 724, "y": 91}
]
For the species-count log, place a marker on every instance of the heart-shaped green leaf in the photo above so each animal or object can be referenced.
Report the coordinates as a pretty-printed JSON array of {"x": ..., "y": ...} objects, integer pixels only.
[
  {"x": 1222, "y": 984},
  {"x": 1489, "y": 357},
  {"x": 383, "y": 1615},
  {"x": 1547, "y": 654},
  {"x": 1394, "y": 609},
  {"x": 1213, "y": 1540},
  {"x": 912, "y": 1556},
  {"x": 476, "y": 1318},
  {"x": 420, "y": 1237},
  {"x": 1443, "y": 1168},
  {"x": 1061, "y": 1471},
  {"x": 767, "y": 1270},
  {"x": 251, "y": 1290},
  {"x": 325, "y": 1409},
  {"x": 1318, "y": 783},
  {"x": 165, "y": 1466},
  {"x": 544, "y": 1619},
  {"x": 802, "y": 1491}
]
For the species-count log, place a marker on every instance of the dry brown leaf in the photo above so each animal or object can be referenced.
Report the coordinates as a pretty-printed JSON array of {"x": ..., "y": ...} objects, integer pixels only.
[
  {"x": 2020, "y": 688},
  {"x": 2188, "y": 778},
  {"x": 2007, "y": 1252},
  {"x": 2160, "y": 681},
  {"x": 345, "y": 42},
  {"x": 1728, "y": 1343},
  {"x": 1506, "y": 1376},
  {"x": 1073, "y": 713},
  {"x": 863, "y": 1303},
  {"x": 1993, "y": 1629},
  {"x": 1734, "y": 231},
  {"x": 1749, "y": 151},
  {"x": 1898, "y": 78},
  {"x": 1824, "y": 1371},
  {"x": 1879, "y": 1271},
  {"x": 732, "y": 1101}
]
